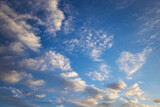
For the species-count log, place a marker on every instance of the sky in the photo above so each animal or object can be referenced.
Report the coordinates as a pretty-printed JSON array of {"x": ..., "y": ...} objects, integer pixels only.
[{"x": 79, "y": 53}]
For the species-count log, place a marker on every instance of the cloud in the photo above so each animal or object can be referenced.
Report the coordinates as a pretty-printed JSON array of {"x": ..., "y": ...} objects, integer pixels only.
[
  {"x": 103, "y": 105},
  {"x": 131, "y": 63},
  {"x": 114, "y": 89},
  {"x": 100, "y": 75},
  {"x": 157, "y": 101},
  {"x": 12, "y": 101},
  {"x": 76, "y": 84},
  {"x": 94, "y": 92},
  {"x": 14, "y": 91},
  {"x": 116, "y": 86},
  {"x": 40, "y": 95},
  {"x": 135, "y": 91},
  {"x": 56, "y": 16},
  {"x": 35, "y": 82},
  {"x": 133, "y": 100},
  {"x": 15, "y": 27},
  {"x": 48, "y": 62},
  {"x": 13, "y": 76},
  {"x": 124, "y": 4},
  {"x": 133, "y": 105},
  {"x": 69, "y": 74},
  {"x": 94, "y": 43},
  {"x": 149, "y": 25}
]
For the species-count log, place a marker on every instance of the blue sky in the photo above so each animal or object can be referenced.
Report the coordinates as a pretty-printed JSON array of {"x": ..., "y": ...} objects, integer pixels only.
[{"x": 79, "y": 53}]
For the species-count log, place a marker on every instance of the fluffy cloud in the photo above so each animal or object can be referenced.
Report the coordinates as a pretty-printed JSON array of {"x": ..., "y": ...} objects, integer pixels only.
[
  {"x": 55, "y": 16},
  {"x": 101, "y": 75},
  {"x": 50, "y": 61},
  {"x": 76, "y": 84},
  {"x": 13, "y": 76},
  {"x": 130, "y": 63},
  {"x": 157, "y": 101},
  {"x": 94, "y": 92},
  {"x": 17, "y": 28},
  {"x": 114, "y": 89},
  {"x": 69, "y": 74},
  {"x": 134, "y": 90},
  {"x": 116, "y": 86}
]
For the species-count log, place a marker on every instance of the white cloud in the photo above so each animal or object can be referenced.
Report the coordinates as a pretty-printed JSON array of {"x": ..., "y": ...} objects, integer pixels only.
[
  {"x": 50, "y": 61},
  {"x": 92, "y": 42},
  {"x": 135, "y": 91},
  {"x": 55, "y": 16},
  {"x": 96, "y": 76},
  {"x": 69, "y": 74},
  {"x": 40, "y": 95},
  {"x": 130, "y": 63},
  {"x": 101, "y": 74},
  {"x": 76, "y": 84},
  {"x": 32, "y": 82},
  {"x": 132, "y": 100},
  {"x": 16, "y": 27},
  {"x": 13, "y": 76}
]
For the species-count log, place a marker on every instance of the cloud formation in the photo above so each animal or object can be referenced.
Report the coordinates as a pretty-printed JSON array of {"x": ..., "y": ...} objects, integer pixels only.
[
  {"x": 68, "y": 74},
  {"x": 94, "y": 43},
  {"x": 49, "y": 62},
  {"x": 18, "y": 29},
  {"x": 101, "y": 74},
  {"x": 13, "y": 76},
  {"x": 157, "y": 101},
  {"x": 114, "y": 89},
  {"x": 131, "y": 63}
]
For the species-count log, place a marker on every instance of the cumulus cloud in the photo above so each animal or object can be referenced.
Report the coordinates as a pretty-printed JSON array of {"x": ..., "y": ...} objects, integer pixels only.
[
  {"x": 94, "y": 92},
  {"x": 56, "y": 16},
  {"x": 13, "y": 76},
  {"x": 114, "y": 89},
  {"x": 116, "y": 86},
  {"x": 76, "y": 84},
  {"x": 135, "y": 90},
  {"x": 15, "y": 26},
  {"x": 101, "y": 74},
  {"x": 69, "y": 74},
  {"x": 131, "y": 63},
  {"x": 50, "y": 61}
]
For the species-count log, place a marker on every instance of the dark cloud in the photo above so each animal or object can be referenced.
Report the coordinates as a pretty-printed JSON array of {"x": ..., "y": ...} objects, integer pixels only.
[{"x": 157, "y": 101}]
